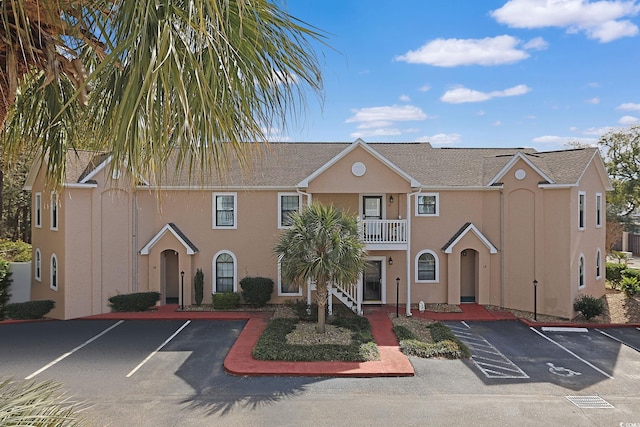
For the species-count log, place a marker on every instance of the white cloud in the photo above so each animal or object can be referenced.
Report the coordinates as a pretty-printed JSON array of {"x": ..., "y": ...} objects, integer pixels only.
[
  {"x": 537, "y": 43},
  {"x": 629, "y": 106},
  {"x": 454, "y": 52},
  {"x": 392, "y": 113},
  {"x": 425, "y": 88},
  {"x": 376, "y": 132},
  {"x": 442, "y": 139},
  {"x": 563, "y": 141},
  {"x": 274, "y": 134},
  {"x": 594, "y": 84},
  {"x": 594, "y": 131},
  {"x": 497, "y": 123},
  {"x": 405, "y": 98},
  {"x": 628, "y": 120},
  {"x": 604, "y": 21},
  {"x": 594, "y": 101},
  {"x": 461, "y": 95}
]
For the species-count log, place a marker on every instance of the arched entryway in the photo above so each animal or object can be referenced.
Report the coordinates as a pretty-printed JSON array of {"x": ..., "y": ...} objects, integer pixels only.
[
  {"x": 468, "y": 275},
  {"x": 170, "y": 276}
]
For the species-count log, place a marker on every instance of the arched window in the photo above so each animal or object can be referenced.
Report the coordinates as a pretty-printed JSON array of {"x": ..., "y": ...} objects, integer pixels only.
[
  {"x": 427, "y": 269},
  {"x": 37, "y": 273},
  {"x": 224, "y": 267},
  {"x": 598, "y": 264},
  {"x": 54, "y": 273},
  {"x": 581, "y": 283}
]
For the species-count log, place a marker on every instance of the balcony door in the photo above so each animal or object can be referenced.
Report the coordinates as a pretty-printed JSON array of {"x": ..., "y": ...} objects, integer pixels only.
[{"x": 372, "y": 207}]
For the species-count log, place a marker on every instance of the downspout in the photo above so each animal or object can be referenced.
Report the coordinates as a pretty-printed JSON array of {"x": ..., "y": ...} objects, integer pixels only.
[
  {"x": 134, "y": 242},
  {"x": 409, "y": 215},
  {"x": 501, "y": 248}
]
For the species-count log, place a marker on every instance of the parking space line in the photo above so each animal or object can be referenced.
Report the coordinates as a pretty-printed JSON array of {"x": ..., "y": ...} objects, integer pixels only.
[
  {"x": 616, "y": 339},
  {"x": 64, "y": 356},
  {"x": 586, "y": 362},
  {"x": 158, "y": 349},
  {"x": 487, "y": 358}
]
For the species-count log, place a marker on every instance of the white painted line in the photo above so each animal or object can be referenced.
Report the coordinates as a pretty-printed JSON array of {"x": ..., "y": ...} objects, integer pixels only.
[
  {"x": 563, "y": 329},
  {"x": 44, "y": 368},
  {"x": 465, "y": 324},
  {"x": 571, "y": 353},
  {"x": 616, "y": 339},
  {"x": 158, "y": 349}
]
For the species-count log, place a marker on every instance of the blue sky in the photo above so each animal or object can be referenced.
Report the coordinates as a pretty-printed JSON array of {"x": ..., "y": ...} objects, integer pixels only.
[{"x": 469, "y": 73}]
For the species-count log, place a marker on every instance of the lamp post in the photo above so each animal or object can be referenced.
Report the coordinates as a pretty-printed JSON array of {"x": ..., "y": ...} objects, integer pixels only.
[
  {"x": 535, "y": 300},
  {"x": 182, "y": 287},
  {"x": 397, "y": 297}
]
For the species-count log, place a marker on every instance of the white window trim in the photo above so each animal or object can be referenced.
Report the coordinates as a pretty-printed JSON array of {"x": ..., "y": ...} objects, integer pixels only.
[
  {"x": 57, "y": 270},
  {"x": 598, "y": 264},
  {"x": 37, "y": 211},
  {"x": 215, "y": 272},
  {"x": 215, "y": 212},
  {"x": 54, "y": 216},
  {"x": 280, "y": 195},
  {"x": 37, "y": 271},
  {"x": 435, "y": 255},
  {"x": 598, "y": 210},
  {"x": 582, "y": 215},
  {"x": 583, "y": 271},
  {"x": 437, "y": 195},
  {"x": 286, "y": 294}
]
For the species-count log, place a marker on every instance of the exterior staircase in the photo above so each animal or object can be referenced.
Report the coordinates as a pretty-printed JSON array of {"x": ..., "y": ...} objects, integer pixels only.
[{"x": 348, "y": 296}]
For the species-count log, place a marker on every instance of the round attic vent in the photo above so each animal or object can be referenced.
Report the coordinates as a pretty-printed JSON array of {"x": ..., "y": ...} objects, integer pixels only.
[
  {"x": 358, "y": 169},
  {"x": 520, "y": 174}
]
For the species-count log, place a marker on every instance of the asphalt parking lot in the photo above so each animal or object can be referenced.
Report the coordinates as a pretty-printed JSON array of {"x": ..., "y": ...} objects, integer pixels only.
[{"x": 169, "y": 373}]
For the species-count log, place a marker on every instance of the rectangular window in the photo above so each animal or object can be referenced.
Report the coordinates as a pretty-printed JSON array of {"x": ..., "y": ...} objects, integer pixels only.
[
  {"x": 598, "y": 210},
  {"x": 581, "y": 202},
  {"x": 224, "y": 210},
  {"x": 287, "y": 204},
  {"x": 427, "y": 204},
  {"x": 287, "y": 289},
  {"x": 37, "y": 210},
  {"x": 53, "y": 208}
]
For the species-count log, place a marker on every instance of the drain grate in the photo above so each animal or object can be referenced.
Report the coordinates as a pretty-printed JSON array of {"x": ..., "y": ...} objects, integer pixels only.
[{"x": 589, "y": 402}]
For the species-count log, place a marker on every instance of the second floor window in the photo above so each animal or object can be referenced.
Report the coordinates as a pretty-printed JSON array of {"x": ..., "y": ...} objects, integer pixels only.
[
  {"x": 581, "y": 201},
  {"x": 289, "y": 203},
  {"x": 54, "y": 211},
  {"x": 37, "y": 210},
  {"x": 427, "y": 205},
  {"x": 224, "y": 215}
]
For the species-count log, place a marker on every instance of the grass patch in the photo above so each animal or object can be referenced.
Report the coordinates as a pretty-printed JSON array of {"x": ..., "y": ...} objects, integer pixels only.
[
  {"x": 273, "y": 344},
  {"x": 444, "y": 343}
]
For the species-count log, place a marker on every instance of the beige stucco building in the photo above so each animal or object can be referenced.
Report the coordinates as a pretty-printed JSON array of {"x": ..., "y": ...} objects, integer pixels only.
[{"x": 452, "y": 224}]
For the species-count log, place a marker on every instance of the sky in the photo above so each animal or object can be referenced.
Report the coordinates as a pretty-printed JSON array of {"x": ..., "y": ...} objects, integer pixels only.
[{"x": 472, "y": 73}]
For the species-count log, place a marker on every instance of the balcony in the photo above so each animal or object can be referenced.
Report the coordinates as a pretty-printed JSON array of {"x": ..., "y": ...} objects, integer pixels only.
[{"x": 380, "y": 234}]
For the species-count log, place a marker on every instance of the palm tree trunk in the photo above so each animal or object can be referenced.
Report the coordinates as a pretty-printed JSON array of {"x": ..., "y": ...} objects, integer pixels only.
[{"x": 321, "y": 296}]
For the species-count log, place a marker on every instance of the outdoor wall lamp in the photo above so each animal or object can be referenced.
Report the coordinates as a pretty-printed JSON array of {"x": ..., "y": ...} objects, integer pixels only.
[
  {"x": 390, "y": 261},
  {"x": 391, "y": 199}
]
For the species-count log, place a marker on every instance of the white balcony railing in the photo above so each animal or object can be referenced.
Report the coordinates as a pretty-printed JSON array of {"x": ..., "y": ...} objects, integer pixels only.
[{"x": 381, "y": 231}]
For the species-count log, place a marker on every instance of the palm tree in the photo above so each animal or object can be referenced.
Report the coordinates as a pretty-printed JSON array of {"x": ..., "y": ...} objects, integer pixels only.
[
  {"x": 322, "y": 245},
  {"x": 144, "y": 78}
]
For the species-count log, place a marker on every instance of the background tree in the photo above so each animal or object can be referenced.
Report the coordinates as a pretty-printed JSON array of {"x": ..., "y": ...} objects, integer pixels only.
[
  {"x": 621, "y": 150},
  {"x": 151, "y": 77},
  {"x": 323, "y": 246}
]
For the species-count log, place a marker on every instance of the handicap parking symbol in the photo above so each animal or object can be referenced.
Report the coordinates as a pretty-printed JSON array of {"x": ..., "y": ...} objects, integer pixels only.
[{"x": 561, "y": 371}]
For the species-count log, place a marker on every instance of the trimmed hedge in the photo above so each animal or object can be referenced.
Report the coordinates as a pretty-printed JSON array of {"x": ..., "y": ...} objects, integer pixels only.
[
  {"x": 139, "y": 301},
  {"x": 29, "y": 309},
  {"x": 614, "y": 273},
  {"x": 256, "y": 291},
  {"x": 445, "y": 344},
  {"x": 18, "y": 251},
  {"x": 225, "y": 300},
  {"x": 198, "y": 285},
  {"x": 5, "y": 284}
]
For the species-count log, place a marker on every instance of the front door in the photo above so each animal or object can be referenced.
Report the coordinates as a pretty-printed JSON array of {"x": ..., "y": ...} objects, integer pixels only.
[{"x": 372, "y": 281}]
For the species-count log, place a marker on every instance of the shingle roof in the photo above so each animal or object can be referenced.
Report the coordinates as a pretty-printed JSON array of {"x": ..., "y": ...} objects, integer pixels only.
[{"x": 287, "y": 164}]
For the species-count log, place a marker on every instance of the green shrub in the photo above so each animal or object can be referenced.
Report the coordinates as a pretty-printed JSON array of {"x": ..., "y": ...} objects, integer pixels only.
[
  {"x": 631, "y": 272},
  {"x": 256, "y": 291},
  {"x": 29, "y": 309},
  {"x": 15, "y": 251},
  {"x": 630, "y": 285},
  {"x": 226, "y": 300},
  {"x": 139, "y": 301},
  {"x": 445, "y": 343},
  {"x": 588, "y": 306},
  {"x": 614, "y": 272},
  {"x": 5, "y": 284},
  {"x": 273, "y": 344},
  {"x": 306, "y": 312},
  {"x": 198, "y": 285}
]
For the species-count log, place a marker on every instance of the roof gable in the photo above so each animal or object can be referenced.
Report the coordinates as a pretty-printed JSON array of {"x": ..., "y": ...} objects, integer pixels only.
[
  {"x": 177, "y": 233},
  {"x": 516, "y": 157},
  {"x": 366, "y": 147},
  {"x": 463, "y": 231}
]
